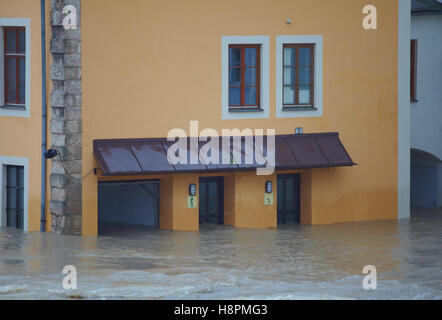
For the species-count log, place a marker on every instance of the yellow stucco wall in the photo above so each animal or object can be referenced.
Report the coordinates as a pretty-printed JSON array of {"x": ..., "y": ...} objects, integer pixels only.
[
  {"x": 21, "y": 137},
  {"x": 249, "y": 212},
  {"x": 144, "y": 61},
  {"x": 150, "y": 66}
]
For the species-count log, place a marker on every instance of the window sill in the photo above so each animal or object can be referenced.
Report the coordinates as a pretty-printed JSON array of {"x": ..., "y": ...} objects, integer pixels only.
[
  {"x": 13, "y": 107},
  {"x": 298, "y": 108},
  {"x": 245, "y": 109}
]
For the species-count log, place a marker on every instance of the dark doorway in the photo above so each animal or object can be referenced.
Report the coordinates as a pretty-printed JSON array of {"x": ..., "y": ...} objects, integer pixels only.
[
  {"x": 289, "y": 195},
  {"x": 211, "y": 200},
  {"x": 127, "y": 204},
  {"x": 15, "y": 197}
]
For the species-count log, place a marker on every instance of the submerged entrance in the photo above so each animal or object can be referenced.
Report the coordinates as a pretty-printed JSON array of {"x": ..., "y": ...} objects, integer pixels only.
[
  {"x": 14, "y": 196},
  {"x": 128, "y": 204},
  {"x": 289, "y": 196},
  {"x": 211, "y": 200}
]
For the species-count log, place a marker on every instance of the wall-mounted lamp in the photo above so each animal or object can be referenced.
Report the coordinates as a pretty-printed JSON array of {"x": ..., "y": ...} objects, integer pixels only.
[
  {"x": 269, "y": 187},
  {"x": 192, "y": 189},
  {"x": 288, "y": 21},
  {"x": 50, "y": 154}
]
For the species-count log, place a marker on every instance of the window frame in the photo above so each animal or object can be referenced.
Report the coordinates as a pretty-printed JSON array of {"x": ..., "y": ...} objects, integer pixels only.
[
  {"x": 243, "y": 69},
  {"x": 17, "y": 56},
  {"x": 14, "y": 161},
  {"x": 263, "y": 112},
  {"x": 297, "y": 83},
  {"x": 11, "y": 110},
  {"x": 300, "y": 111},
  {"x": 9, "y": 187}
]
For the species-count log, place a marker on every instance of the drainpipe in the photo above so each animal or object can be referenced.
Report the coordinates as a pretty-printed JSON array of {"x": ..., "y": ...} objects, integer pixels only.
[{"x": 43, "y": 117}]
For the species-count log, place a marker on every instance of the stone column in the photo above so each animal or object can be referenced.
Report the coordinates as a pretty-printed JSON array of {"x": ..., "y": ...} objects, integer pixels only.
[{"x": 65, "y": 101}]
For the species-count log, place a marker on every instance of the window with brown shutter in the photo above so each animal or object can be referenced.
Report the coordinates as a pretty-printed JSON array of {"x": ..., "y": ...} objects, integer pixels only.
[
  {"x": 298, "y": 75},
  {"x": 15, "y": 65},
  {"x": 244, "y": 76}
]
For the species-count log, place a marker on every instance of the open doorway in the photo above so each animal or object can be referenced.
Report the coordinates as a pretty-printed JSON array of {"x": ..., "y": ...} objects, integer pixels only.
[
  {"x": 289, "y": 198},
  {"x": 211, "y": 200},
  {"x": 127, "y": 204}
]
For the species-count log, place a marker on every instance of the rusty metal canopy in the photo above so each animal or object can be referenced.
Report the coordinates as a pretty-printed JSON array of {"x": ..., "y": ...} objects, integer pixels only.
[{"x": 124, "y": 157}]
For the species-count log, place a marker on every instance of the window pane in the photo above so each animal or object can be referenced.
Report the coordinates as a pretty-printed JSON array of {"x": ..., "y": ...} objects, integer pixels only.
[
  {"x": 304, "y": 95},
  {"x": 289, "y": 75},
  {"x": 304, "y": 56},
  {"x": 12, "y": 198},
  {"x": 202, "y": 194},
  {"x": 289, "y": 95},
  {"x": 20, "y": 199},
  {"x": 11, "y": 68},
  {"x": 235, "y": 57},
  {"x": 21, "y": 177},
  {"x": 251, "y": 57},
  {"x": 289, "y": 56},
  {"x": 21, "y": 69},
  {"x": 213, "y": 205},
  {"x": 20, "y": 219},
  {"x": 11, "y": 91},
  {"x": 250, "y": 99},
  {"x": 21, "y": 92},
  {"x": 235, "y": 77},
  {"x": 250, "y": 76},
  {"x": 21, "y": 41},
  {"x": 12, "y": 218},
  {"x": 11, "y": 176},
  {"x": 234, "y": 96},
  {"x": 10, "y": 41},
  {"x": 304, "y": 75},
  {"x": 290, "y": 203}
]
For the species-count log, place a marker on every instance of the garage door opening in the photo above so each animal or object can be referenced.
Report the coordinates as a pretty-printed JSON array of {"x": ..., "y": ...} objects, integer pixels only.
[{"x": 127, "y": 206}]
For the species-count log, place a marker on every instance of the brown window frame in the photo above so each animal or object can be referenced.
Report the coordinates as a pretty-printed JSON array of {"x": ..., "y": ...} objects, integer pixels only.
[
  {"x": 17, "y": 56},
  {"x": 413, "y": 70},
  {"x": 243, "y": 77},
  {"x": 297, "y": 84}
]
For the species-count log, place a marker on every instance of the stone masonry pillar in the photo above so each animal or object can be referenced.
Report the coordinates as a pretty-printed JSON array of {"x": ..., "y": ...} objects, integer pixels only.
[{"x": 65, "y": 101}]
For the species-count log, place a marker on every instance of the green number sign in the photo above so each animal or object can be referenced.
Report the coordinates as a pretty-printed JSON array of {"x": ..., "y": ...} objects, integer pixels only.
[
  {"x": 268, "y": 199},
  {"x": 192, "y": 202}
]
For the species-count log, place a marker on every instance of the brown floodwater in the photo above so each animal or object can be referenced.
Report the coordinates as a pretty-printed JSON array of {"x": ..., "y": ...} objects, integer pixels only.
[{"x": 293, "y": 262}]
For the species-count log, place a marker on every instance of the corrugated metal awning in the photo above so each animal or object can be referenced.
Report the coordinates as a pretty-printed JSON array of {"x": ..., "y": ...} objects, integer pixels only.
[{"x": 124, "y": 157}]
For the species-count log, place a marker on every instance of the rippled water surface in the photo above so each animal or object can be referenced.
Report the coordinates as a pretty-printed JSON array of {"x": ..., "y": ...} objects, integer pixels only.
[{"x": 294, "y": 262}]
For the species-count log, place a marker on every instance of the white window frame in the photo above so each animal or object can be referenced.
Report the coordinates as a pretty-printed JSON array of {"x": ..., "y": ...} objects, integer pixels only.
[
  {"x": 14, "y": 161},
  {"x": 318, "y": 80},
  {"x": 19, "y": 112},
  {"x": 264, "y": 113}
]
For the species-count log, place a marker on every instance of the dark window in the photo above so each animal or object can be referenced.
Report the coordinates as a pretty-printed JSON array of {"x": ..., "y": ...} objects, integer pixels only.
[
  {"x": 413, "y": 68},
  {"x": 244, "y": 76},
  {"x": 15, "y": 196},
  {"x": 298, "y": 75},
  {"x": 15, "y": 65}
]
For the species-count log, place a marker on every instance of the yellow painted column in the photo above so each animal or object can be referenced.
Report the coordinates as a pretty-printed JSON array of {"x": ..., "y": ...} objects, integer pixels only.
[
  {"x": 229, "y": 200},
  {"x": 250, "y": 209},
  {"x": 184, "y": 218},
  {"x": 90, "y": 201}
]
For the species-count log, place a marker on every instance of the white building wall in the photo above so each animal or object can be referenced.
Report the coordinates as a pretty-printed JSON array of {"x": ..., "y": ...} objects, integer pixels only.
[
  {"x": 426, "y": 113},
  {"x": 439, "y": 183},
  {"x": 404, "y": 109}
]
